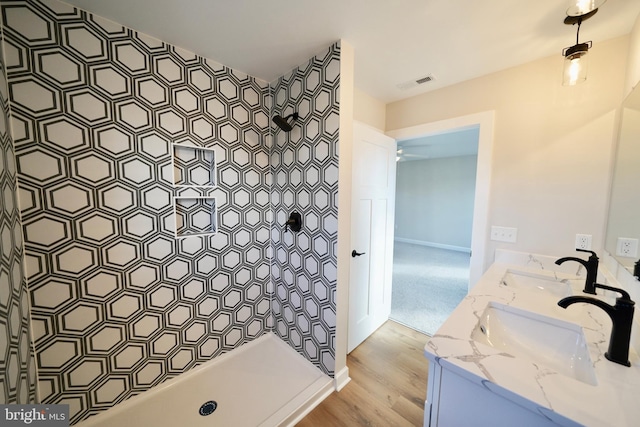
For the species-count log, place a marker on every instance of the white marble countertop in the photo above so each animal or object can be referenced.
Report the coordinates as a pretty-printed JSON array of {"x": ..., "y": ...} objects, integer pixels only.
[{"x": 613, "y": 401}]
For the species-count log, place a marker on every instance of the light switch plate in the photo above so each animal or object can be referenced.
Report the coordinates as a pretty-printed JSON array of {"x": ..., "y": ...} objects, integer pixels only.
[{"x": 504, "y": 234}]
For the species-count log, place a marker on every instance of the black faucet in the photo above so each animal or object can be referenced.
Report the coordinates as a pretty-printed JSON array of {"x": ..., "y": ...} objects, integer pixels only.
[
  {"x": 622, "y": 317},
  {"x": 592, "y": 270}
]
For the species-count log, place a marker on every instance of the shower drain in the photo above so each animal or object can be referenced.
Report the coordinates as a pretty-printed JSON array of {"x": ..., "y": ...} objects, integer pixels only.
[{"x": 208, "y": 408}]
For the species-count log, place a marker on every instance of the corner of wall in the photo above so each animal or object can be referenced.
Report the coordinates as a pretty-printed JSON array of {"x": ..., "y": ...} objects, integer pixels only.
[
  {"x": 369, "y": 110},
  {"x": 633, "y": 61},
  {"x": 18, "y": 382},
  {"x": 347, "y": 57},
  {"x": 305, "y": 167}
]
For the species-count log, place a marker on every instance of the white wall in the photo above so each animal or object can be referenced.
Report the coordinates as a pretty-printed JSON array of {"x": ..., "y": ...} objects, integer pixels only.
[
  {"x": 552, "y": 144},
  {"x": 434, "y": 200},
  {"x": 369, "y": 110},
  {"x": 633, "y": 68}
]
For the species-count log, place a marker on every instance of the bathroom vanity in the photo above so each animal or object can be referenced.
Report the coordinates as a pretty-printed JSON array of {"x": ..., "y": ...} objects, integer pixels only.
[{"x": 509, "y": 355}]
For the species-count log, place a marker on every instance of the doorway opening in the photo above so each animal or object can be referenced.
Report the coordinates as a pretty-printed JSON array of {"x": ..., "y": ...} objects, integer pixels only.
[
  {"x": 435, "y": 190},
  {"x": 484, "y": 122}
]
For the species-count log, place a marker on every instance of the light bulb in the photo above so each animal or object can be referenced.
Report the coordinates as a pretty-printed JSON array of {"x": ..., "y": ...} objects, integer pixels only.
[
  {"x": 582, "y": 7},
  {"x": 575, "y": 69},
  {"x": 585, "y": 6}
]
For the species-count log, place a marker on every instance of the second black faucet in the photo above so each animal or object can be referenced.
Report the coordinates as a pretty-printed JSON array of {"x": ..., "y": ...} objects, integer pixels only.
[
  {"x": 621, "y": 315},
  {"x": 592, "y": 269}
]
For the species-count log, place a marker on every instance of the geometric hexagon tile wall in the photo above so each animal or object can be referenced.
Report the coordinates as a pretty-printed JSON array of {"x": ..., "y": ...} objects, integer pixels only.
[
  {"x": 305, "y": 175},
  {"x": 17, "y": 365},
  {"x": 118, "y": 303}
]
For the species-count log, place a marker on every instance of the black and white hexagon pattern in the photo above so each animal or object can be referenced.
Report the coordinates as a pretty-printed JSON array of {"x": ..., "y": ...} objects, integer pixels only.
[
  {"x": 17, "y": 364},
  {"x": 305, "y": 175},
  {"x": 118, "y": 303},
  {"x": 140, "y": 264}
]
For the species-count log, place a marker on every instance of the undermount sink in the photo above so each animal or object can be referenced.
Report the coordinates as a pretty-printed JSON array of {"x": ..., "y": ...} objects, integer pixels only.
[
  {"x": 541, "y": 284},
  {"x": 548, "y": 342}
]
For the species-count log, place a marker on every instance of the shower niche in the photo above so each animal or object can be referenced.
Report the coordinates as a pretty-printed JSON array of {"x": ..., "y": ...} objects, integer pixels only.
[{"x": 194, "y": 177}]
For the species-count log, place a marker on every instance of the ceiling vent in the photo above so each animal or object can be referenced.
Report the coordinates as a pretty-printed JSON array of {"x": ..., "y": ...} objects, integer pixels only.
[
  {"x": 417, "y": 82},
  {"x": 425, "y": 79}
]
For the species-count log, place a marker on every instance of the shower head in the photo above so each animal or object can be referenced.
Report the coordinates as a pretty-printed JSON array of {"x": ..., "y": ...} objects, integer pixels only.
[{"x": 283, "y": 123}]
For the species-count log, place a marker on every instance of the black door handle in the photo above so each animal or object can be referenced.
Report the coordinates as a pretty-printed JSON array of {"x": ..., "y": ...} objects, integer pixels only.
[{"x": 355, "y": 254}]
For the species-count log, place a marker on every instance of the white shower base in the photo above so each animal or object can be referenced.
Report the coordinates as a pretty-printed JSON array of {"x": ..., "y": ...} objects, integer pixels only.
[{"x": 263, "y": 383}]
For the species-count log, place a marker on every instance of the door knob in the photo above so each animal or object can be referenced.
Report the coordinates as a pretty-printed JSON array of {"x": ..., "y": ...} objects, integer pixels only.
[{"x": 355, "y": 254}]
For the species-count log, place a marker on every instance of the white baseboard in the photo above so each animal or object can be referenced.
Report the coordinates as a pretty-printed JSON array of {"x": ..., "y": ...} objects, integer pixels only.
[
  {"x": 321, "y": 392},
  {"x": 341, "y": 378},
  {"x": 434, "y": 245}
]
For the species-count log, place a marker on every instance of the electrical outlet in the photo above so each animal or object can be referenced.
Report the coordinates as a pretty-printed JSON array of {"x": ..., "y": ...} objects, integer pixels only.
[
  {"x": 504, "y": 234},
  {"x": 627, "y": 247},
  {"x": 583, "y": 241}
]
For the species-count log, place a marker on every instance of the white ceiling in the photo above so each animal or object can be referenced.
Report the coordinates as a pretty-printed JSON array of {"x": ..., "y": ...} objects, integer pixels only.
[{"x": 395, "y": 41}]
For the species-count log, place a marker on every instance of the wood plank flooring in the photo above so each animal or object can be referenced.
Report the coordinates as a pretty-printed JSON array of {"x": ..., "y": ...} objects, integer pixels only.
[{"x": 388, "y": 383}]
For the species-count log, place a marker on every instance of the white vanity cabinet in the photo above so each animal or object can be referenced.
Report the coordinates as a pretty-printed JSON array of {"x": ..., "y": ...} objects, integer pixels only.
[{"x": 453, "y": 400}]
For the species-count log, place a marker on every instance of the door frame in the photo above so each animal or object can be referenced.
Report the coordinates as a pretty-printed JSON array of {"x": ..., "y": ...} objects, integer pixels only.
[{"x": 480, "y": 231}]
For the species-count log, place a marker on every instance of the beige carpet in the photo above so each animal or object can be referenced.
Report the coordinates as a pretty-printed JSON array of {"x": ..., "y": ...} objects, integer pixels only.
[{"x": 428, "y": 283}]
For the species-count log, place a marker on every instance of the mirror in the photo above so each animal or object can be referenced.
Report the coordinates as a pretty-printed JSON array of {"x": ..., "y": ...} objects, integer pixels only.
[{"x": 624, "y": 208}]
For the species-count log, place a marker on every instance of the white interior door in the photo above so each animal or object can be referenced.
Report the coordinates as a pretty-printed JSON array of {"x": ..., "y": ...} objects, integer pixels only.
[{"x": 372, "y": 219}]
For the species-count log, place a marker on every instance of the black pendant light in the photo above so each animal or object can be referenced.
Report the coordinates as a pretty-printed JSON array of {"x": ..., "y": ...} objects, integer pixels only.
[{"x": 575, "y": 57}]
